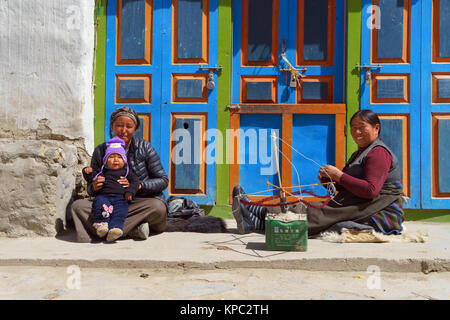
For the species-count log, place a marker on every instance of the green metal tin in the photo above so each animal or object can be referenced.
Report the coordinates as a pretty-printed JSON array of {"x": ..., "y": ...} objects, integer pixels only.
[{"x": 286, "y": 236}]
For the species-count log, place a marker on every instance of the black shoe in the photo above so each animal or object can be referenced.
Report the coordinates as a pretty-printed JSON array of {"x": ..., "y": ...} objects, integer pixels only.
[
  {"x": 240, "y": 212},
  {"x": 237, "y": 190}
]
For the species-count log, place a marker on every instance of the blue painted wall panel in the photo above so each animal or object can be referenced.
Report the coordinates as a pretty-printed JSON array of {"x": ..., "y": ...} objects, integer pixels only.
[
  {"x": 444, "y": 155},
  {"x": 133, "y": 29},
  {"x": 315, "y": 30},
  {"x": 190, "y": 29},
  {"x": 259, "y": 90},
  {"x": 132, "y": 89},
  {"x": 314, "y": 137},
  {"x": 444, "y": 27},
  {"x": 260, "y": 30},
  {"x": 255, "y": 151},
  {"x": 187, "y": 175},
  {"x": 390, "y": 35},
  {"x": 187, "y": 88},
  {"x": 390, "y": 88},
  {"x": 392, "y": 135}
]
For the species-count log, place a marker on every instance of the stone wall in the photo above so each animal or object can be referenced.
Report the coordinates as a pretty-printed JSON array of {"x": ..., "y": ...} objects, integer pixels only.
[
  {"x": 46, "y": 111},
  {"x": 39, "y": 184}
]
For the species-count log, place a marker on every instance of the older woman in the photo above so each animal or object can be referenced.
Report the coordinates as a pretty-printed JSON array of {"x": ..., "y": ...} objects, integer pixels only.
[
  {"x": 369, "y": 187},
  {"x": 148, "y": 211}
]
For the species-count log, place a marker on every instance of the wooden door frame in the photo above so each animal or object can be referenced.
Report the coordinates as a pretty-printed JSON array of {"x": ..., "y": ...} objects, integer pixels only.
[{"x": 287, "y": 111}]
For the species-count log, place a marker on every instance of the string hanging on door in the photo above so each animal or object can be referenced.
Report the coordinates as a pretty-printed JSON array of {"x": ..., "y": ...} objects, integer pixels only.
[{"x": 331, "y": 189}]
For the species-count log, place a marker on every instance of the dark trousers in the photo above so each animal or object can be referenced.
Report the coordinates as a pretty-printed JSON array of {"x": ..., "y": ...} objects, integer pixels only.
[
  {"x": 111, "y": 208},
  {"x": 140, "y": 210},
  {"x": 347, "y": 207}
]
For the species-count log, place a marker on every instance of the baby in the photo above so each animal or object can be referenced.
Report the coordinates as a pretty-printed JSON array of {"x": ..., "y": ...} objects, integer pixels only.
[{"x": 110, "y": 206}]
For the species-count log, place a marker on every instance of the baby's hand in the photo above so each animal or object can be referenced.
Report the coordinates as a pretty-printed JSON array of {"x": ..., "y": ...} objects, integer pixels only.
[
  {"x": 128, "y": 196},
  {"x": 88, "y": 170}
]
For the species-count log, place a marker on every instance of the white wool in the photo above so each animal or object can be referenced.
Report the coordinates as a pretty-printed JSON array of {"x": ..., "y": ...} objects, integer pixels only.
[
  {"x": 288, "y": 216},
  {"x": 373, "y": 236}
]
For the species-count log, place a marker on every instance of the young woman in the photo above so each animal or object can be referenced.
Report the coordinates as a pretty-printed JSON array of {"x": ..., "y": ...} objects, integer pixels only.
[{"x": 148, "y": 210}]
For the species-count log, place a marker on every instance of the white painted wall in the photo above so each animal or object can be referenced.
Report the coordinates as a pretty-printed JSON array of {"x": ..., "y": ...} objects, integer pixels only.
[{"x": 46, "y": 66}]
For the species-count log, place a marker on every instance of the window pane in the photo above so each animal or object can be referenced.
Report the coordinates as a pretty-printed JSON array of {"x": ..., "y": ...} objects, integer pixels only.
[
  {"x": 190, "y": 29},
  {"x": 132, "y": 89},
  {"x": 316, "y": 30},
  {"x": 187, "y": 169},
  {"x": 390, "y": 89},
  {"x": 390, "y": 34},
  {"x": 444, "y": 88},
  {"x": 444, "y": 155},
  {"x": 315, "y": 90},
  {"x": 259, "y": 90},
  {"x": 260, "y": 30},
  {"x": 392, "y": 135},
  {"x": 444, "y": 27},
  {"x": 187, "y": 88},
  {"x": 133, "y": 29}
]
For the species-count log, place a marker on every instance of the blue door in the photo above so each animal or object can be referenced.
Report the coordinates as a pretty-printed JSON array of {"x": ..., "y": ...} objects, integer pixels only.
[
  {"x": 288, "y": 78},
  {"x": 435, "y": 104},
  {"x": 405, "y": 64},
  {"x": 161, "y": 59}
]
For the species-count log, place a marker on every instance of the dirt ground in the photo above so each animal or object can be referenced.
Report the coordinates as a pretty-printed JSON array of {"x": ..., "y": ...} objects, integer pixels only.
[{"x": 74, "y": 283}]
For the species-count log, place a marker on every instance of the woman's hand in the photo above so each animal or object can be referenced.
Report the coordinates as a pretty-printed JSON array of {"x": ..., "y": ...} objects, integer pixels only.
[
  {"x": 124, "y": 182},
  {"x": 97, "y": 184},
  {"x": 128, "y": 196},
  {"x": 329, "y": 171},
  {"x": 88, "y": 170}
]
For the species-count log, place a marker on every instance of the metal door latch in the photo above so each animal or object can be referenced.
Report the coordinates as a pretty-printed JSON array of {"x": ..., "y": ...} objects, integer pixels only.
[
  {"x": 295, "y": 73},
  {"x": 210, "y": 84},
  {"x": 234, "y": 106},
  {"x": 368, "y": 71}
]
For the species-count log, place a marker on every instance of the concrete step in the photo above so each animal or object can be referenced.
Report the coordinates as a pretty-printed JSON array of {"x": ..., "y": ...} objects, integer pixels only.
[{"x": 233, "y": 250}]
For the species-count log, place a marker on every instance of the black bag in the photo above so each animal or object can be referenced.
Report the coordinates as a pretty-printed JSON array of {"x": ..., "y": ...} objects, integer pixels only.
[
  {"x": 186, "y": 216},
  {"x": 180, "y": 207}
]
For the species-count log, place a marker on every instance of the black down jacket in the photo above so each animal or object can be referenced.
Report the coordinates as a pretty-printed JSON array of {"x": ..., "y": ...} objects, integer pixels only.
[{"x": 145, "y": 163}]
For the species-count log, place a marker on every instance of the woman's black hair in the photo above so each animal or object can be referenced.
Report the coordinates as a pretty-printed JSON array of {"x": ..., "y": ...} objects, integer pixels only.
[
  {"x": 124, "y": 111},
  {"x": 369, "y": 116}
]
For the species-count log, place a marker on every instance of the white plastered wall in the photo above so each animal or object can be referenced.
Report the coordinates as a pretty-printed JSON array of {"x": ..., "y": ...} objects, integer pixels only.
[{"x": 46, "y": 66}]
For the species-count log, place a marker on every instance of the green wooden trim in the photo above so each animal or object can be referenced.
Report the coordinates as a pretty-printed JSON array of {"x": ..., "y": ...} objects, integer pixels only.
[
  {"x": 354, "y": 8},
  {"x": 427, "y": 215},
  {"x": 221, "y": 211},
  {"x": 223, "y": 100},
  {"x": 99, "y": 71}
]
